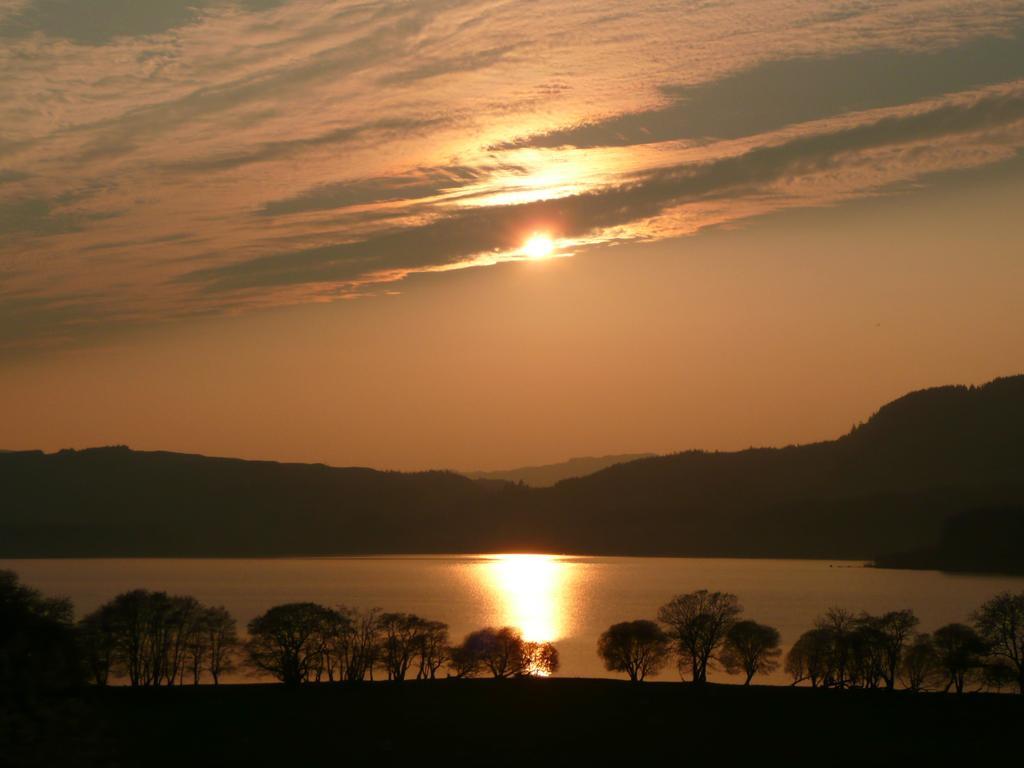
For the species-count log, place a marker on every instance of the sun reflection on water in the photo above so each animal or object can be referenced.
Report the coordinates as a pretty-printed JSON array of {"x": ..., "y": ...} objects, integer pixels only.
[{"x": 531, "y": 593}]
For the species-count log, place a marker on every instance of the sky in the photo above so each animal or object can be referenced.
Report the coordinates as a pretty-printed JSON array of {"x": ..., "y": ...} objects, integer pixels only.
[{"x": 474, "y": 234}]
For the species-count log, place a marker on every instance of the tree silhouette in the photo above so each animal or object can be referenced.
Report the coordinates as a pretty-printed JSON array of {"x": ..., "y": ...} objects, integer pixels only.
[
  {"x": 500, "y": 651},
  {"x": 539, "y": 659},
  {"x": 1000, "y": 623},
  {"x": 698, "y": 623},
  {"x": 504, "y": 653},
  {"x": 97, "y": 643},
  {"x": 361, "y": 646},
  {"x": 919, "y": 664},
  {"x": 463, "y": 660},
  {"x": 896, "y": 630},
  {"x": 38, "y": 649},
  {"x": 638, "y": 648},
  {"x": 141, "y": 629},
  {"x": 811, "y": 657},
  {"x": 866, "y": 648},
  {"x": 402, "y": 639},
  {"x": 432, "y": 650},
  {"x": 838, "y": 626},
  {"x": 183, "y": 642},
  {"x": 751, "y": 648},
  {"x": 153, "y": 638},
  {"x": 221, "y": 631},
  {"x": 959, "y": 652},
  {"x": 289, "y": 641}
]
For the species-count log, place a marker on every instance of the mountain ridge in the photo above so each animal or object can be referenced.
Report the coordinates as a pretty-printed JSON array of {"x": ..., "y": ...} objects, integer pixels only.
[
  {"x": 544, "y": 475},
  {"x": 889, "y": 485}
]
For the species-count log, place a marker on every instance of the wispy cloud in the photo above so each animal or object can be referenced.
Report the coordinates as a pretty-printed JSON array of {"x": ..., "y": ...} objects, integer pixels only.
[
  {"x": 782, "y": 92},
  {"x": 167, "y": 159},
  {"x": 461, "y": 236},
  {"x": 98, "y": 21},
  {"x": 410, "y": 185}
]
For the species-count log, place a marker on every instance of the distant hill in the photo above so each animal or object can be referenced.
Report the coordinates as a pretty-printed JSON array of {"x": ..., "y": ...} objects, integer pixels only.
[
  {"x": 546, "y": 475},
  {"x": 977, "y": 541},
  {"x": 888, "y": 486},
  {"x": 115, "y": 501}
]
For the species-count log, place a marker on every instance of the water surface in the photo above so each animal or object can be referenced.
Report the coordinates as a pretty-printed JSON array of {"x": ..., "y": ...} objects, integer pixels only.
[{"x": 564, "y": 599}]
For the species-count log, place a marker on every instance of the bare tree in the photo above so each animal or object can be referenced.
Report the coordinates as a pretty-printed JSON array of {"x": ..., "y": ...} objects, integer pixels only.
[
  {"x": 288, "y": 641},
  {"x": 136, "y": 622},
  {"x": 960, "y": 654},
  {"x": 810, "y": 658},
  {"x": 638, "y": 648},
  {"x": 539, "y": 659},
  {"x": 364, "y": 643},
  {"x": 401, "y": 636},
  {"x": 222, "y": 641},
  {"x": 504, "y": 653},
  {"x": 463, "y": 661},
  {"x": 38, "y": 649},
  {"x": 897, "y": 629},
  {"x": 153, "y": 638},
  {"x": 838, "y": 626},
  {"x": 179, "y": 635},
  {"x": 698, "y": 623},
  {"x": 197, "y": 648},
  {"x": 97, "y": 642},
  {"x": 751, "y": 648},
  {"x": 1000, "y": 623},
  {"x": 337, "y": 641},
  {"x": 867, "y": 646},
  {"x": 500, "y": 651},
  {"x": 433, "y": 649},
  {"x": 919, "y": 664}
]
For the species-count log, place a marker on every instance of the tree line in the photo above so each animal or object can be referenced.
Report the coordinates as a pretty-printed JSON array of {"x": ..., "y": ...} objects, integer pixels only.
[
  {"x": 306, "y": 642},
  {"x": 703, "y": 629},
  {"x": 151, "y": 638}
]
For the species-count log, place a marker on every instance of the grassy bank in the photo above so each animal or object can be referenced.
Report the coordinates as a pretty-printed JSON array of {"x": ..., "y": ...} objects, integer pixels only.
[{"x": 487, "y": 722}]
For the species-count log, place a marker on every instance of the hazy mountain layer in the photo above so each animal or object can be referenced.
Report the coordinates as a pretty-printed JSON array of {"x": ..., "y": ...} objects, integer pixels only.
[{"x": 545, "y": 475}]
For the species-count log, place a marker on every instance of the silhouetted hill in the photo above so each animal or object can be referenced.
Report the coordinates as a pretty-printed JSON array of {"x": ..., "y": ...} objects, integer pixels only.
[
  {"x": 107, "y": 501},
  {"x": 546, "y": 475},
  {"x": 978, "y": 541},
  {"x": 888, "y": 486}
]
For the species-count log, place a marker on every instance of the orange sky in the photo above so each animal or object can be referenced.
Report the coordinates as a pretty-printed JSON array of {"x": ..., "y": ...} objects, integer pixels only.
[{"x": 295, "y": 230}]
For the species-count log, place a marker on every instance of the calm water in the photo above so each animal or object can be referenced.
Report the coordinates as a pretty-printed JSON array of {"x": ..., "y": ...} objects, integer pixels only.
[{"x": 567, "y": 600}]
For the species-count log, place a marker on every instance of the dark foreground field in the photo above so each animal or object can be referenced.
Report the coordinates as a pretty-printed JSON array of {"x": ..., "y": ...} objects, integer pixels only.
[{"x": 515, "y": 722}]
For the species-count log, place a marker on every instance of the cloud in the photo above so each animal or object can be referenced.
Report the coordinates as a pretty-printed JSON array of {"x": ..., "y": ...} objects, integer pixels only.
[
  {"x": 501, "y": 228},
  {"x": 99, "y": 21},
  {"x": 778, "y": 93},
  {"x": 308, "y": 148},
  {"x": 39, "y": 216},
  {"x": 379, "y": 130},
  {"x": 175, "y": 237},
  {"x": 52, "y": 320},
  {"x": 419, "y": 183},
  {"x": 10, "y": 176},
  {"x": 445, "y": 66}
]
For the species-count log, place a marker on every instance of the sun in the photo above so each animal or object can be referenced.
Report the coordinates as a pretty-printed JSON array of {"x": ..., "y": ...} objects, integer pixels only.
[{"x": 539, "y": 246}]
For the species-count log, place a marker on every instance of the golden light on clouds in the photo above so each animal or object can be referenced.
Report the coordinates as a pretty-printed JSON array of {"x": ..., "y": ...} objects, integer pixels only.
[
  {"x": 176, "y": 182},
  {"x": 167, "y": 175}
]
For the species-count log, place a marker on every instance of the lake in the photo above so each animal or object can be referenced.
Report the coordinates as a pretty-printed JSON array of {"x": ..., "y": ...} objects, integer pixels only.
[{"x": 564, "y": 599}]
